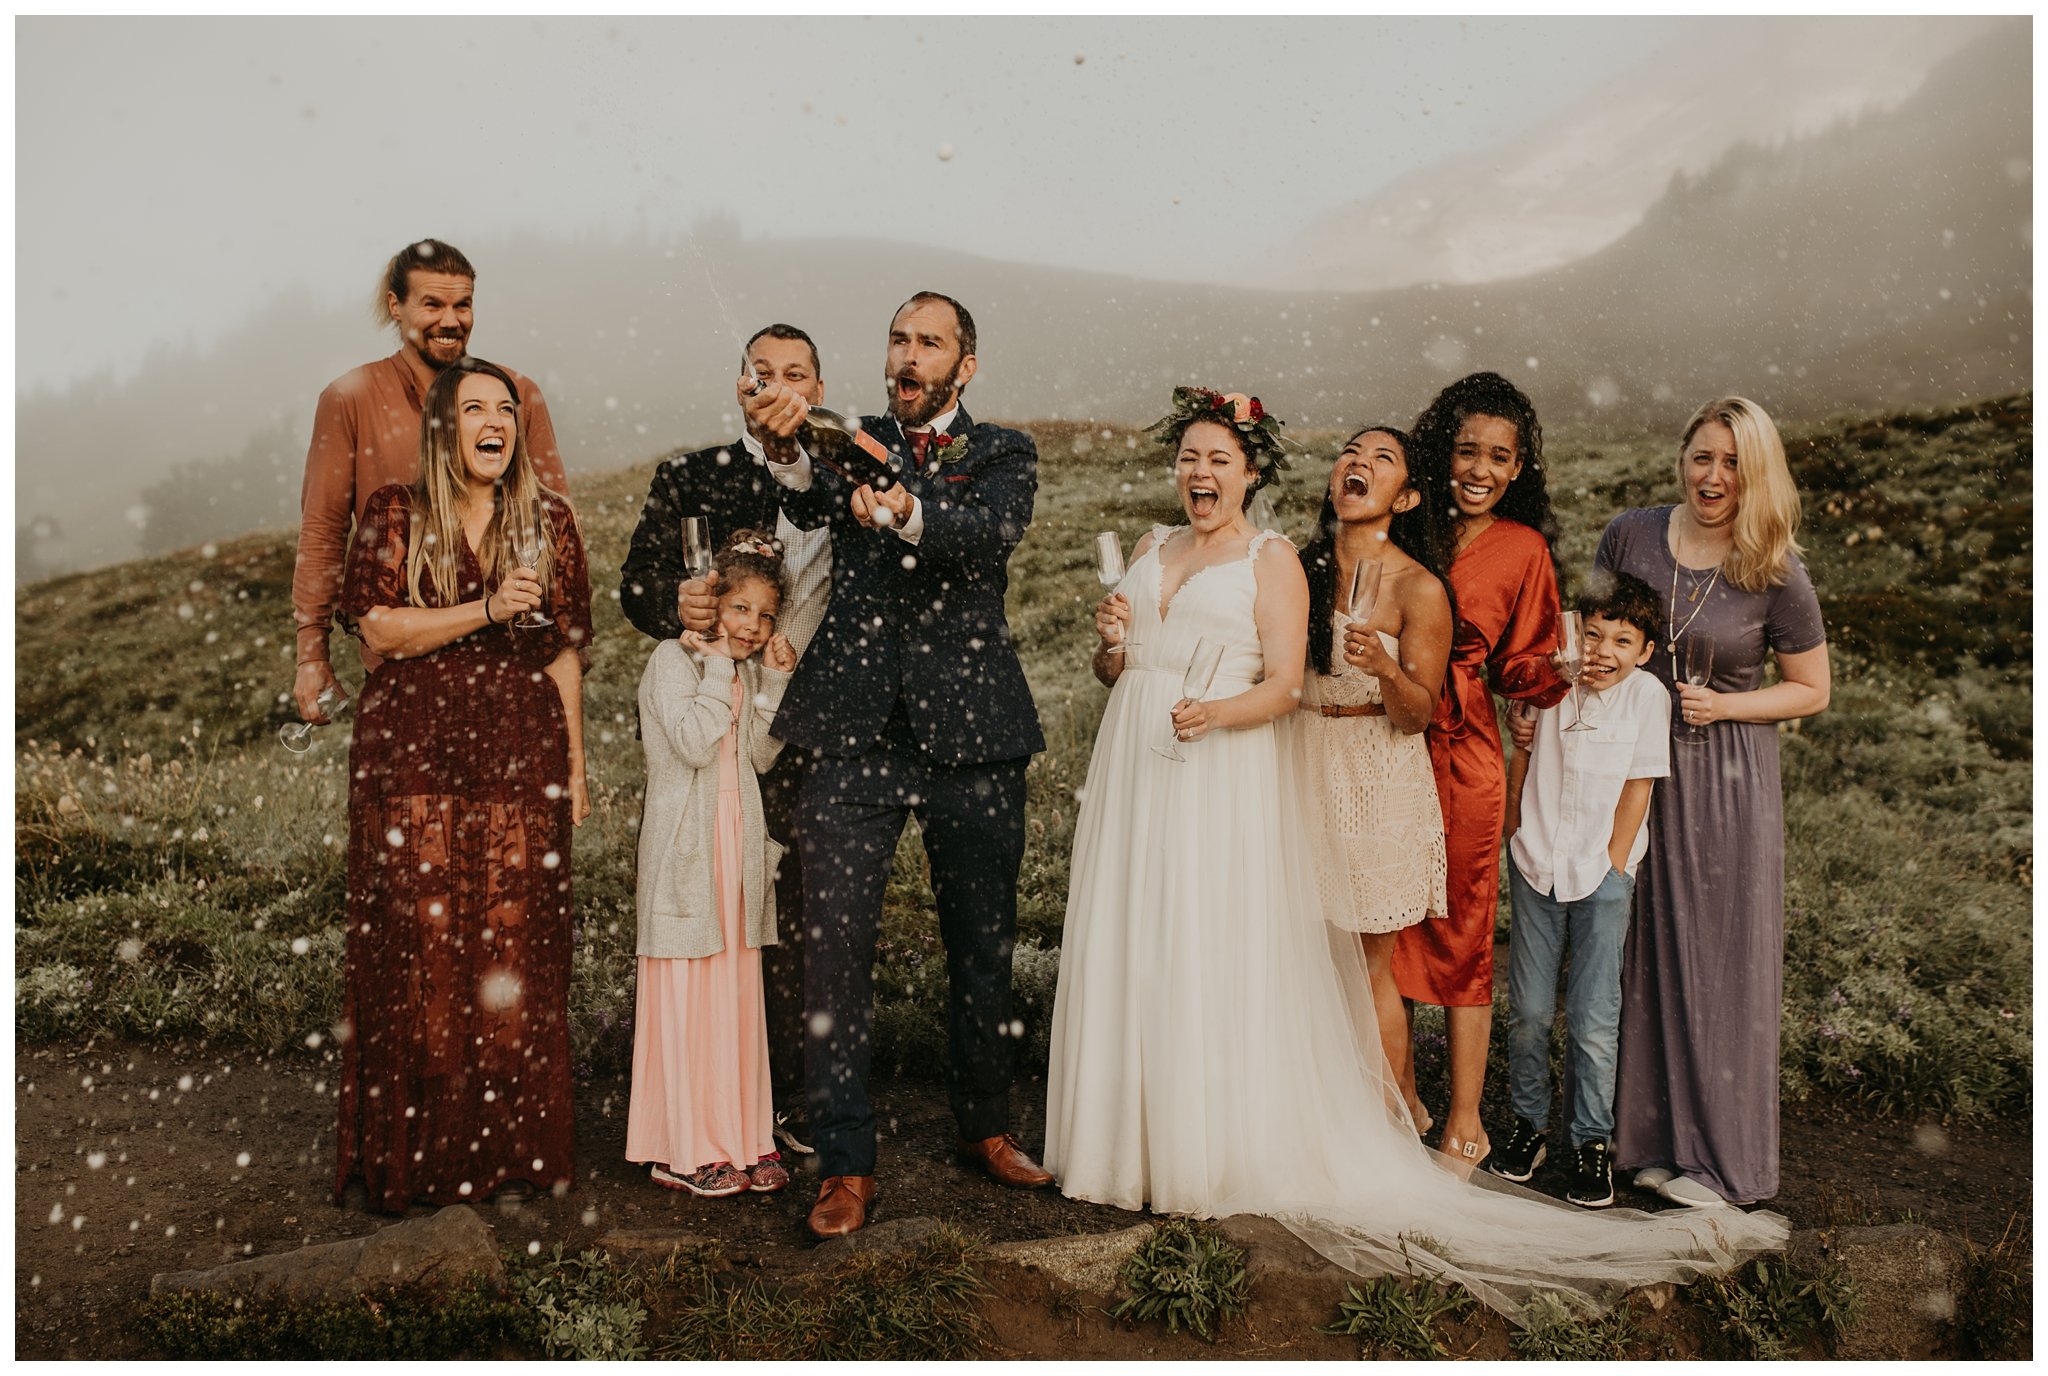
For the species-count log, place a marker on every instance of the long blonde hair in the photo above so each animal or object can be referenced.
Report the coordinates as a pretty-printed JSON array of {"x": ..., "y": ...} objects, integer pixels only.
[
  {"x": 437, "y": 496},
  {"x": 1767, "y": 503}
]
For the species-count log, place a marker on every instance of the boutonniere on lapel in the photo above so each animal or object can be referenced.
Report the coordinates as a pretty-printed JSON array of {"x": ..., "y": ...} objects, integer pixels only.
[{"x": 946, "y": 449}]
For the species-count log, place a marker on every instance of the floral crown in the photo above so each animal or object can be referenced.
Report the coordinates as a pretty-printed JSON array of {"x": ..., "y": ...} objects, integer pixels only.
[
  {"x": 1257, "y": 431},
  {"x": 760, "y": 548}
]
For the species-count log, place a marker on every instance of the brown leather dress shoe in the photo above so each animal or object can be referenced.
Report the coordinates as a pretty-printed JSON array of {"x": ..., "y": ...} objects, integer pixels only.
[
  {"x": 843, "y": 1205},
  {"x": 1005, "y": 1162}
]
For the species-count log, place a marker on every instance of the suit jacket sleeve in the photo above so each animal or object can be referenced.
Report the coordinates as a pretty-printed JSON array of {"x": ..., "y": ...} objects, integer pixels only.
[
  {"x": 975, "y": 523},
  {"x": 655, "y": 567},
  {"x": 821, "y": 502}
]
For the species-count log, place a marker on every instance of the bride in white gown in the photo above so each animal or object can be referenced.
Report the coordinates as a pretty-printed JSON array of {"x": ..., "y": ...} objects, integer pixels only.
[{"x": 1214, "y": 1045}]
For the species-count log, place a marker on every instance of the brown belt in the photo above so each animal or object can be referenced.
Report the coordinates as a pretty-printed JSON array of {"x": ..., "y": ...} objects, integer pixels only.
[{"x": 1360, "y": 709}]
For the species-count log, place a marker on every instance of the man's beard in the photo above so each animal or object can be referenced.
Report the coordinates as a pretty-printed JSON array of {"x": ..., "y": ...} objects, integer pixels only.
[
  {"x": 425, "y": 352},
  {"x": 931, "y": 401}
]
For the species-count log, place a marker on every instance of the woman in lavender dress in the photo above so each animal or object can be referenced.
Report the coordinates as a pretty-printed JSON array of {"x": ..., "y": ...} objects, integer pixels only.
[{"x": 1702, "y": 980}]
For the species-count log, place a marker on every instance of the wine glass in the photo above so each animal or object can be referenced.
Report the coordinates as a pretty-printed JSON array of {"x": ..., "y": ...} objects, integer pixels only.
[
  {"x": 1200, "y": 674},
  {"x": 334, "y": 702},
  {"x": 527, "y": 544},
  {"x": 1696, "y": 663},
  {"x": 1571, "y": 663},
  {"x": 697, "y": 545}
]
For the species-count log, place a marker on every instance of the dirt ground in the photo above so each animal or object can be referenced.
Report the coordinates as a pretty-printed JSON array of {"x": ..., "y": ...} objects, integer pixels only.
[{"x": 133, "y": 1160}]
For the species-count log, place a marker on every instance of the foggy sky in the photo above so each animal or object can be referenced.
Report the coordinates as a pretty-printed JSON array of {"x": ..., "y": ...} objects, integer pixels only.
[{"x": 173, "y": 174}]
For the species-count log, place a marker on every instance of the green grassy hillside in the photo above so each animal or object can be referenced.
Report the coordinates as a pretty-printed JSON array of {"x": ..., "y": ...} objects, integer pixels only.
[{"x": 179, "y": 874}]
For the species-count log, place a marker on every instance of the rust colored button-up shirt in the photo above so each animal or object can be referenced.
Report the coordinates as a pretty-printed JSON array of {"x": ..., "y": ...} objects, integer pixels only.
[{"x": 366, "y": 434}]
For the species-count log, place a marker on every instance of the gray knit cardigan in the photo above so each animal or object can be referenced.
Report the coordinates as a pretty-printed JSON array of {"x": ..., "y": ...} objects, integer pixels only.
[{"x": 685, "y": 711}]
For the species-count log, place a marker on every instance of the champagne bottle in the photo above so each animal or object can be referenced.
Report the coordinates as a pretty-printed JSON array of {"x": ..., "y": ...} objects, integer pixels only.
[{"x": 840, "y": 442}]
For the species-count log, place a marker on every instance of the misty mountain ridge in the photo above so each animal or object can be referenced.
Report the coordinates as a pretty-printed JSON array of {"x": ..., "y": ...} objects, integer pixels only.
[
  {"x": 1577, "y": 181},
  {"x": 1878, "y": 265}
]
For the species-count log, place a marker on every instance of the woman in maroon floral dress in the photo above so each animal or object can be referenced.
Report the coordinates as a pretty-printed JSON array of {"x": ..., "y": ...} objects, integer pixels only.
[{"x": 466, "y": 778}]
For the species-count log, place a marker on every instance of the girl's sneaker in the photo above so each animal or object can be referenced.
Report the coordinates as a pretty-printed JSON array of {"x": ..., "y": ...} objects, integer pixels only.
[
  {"x": 767, "y": 1175},
  {"x": 712, "y": 1182}
]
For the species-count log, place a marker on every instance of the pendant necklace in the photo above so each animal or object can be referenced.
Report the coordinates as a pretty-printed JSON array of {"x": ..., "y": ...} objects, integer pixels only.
[{"x": 1698, "y": 598}]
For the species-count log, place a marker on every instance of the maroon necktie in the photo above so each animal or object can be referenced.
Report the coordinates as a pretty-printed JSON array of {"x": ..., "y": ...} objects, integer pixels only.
[{"x": 920, "y": 445}]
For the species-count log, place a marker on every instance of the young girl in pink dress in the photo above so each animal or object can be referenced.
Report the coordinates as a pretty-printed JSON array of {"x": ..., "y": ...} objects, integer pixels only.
[{"x": 702, "y": 1112}]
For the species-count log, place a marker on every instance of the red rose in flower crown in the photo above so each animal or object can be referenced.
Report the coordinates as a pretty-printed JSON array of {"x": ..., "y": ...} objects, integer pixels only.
[{"x": 1257, "y": 430}]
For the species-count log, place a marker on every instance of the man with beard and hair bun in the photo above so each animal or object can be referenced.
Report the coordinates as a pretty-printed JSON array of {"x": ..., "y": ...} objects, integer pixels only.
[
  {"x": 910, "y": 701},
  {"x": 366, "y": 434}
]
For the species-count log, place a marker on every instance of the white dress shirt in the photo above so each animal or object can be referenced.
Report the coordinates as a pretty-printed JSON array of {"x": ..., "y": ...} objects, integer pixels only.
[
  {"x": 796, "y": 476},
  {"x": 806, "y": 564},
  {"x": 1575, "y": 780}
]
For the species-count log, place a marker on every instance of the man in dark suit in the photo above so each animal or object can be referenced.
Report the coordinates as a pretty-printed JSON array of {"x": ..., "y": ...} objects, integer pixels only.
[
  {"x": 729, "y": 486},
  {"x": 910, "y": 701}
]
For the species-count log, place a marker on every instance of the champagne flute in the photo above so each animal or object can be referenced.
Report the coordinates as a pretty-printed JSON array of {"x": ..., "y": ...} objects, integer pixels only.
[
  {"x": 697, "y": 545},
  {"x": 1360, "y": 599},
  {"x": 1201, "y": 672},
  {"x": 1365, "y": 589},
  {"x": 1109, "y": 571},
  {"x": 1697, "y": 664},
  {"x": 527, "y": 544},
  {"x": 1571, "y": 663},
  {"x": 1109, "y": 560},
  {"x": 334, "y": 702}
]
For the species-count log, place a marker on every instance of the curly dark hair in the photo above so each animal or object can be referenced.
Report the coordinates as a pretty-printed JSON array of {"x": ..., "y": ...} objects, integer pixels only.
[
  {"x": 1423, "y": 532},
  {"x": 1489, "y": 394},
  {"x": 1622, "y": 597},
  {"x": 742, "y": 557}
]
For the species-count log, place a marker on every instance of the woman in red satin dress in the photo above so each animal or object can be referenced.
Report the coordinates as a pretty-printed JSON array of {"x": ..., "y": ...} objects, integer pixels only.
[{"x": 1504, "y": 587}]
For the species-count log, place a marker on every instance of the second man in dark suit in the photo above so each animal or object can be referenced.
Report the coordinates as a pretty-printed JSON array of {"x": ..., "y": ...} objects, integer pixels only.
[{"x": 911, "y": 700}]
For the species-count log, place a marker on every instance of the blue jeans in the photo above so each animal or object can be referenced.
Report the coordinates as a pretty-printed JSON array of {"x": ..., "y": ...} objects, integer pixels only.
[{"x": 1597, "y": 926}]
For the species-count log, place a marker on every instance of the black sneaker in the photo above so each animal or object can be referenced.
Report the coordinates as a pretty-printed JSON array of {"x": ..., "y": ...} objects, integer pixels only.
[
  {"x": 1523, "y": 1152},
  {"x": 1592, "y": 1184}
]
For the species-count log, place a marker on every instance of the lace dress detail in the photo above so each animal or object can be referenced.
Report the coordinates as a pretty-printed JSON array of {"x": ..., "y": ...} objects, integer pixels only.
[{"x": 1381, "y": 851}]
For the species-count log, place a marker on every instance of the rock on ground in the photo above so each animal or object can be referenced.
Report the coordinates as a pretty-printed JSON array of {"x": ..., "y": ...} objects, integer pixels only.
[
  {"x": 446, "y": 1246},
  {"x": 1088, "y": 1262},
  {"x": 1905, "y": 1276}
]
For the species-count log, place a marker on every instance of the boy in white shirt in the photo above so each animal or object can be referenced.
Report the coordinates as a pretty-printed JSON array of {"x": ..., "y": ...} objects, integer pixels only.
[{"x": 1577, "y": 805}]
